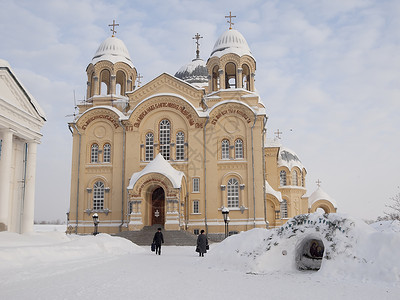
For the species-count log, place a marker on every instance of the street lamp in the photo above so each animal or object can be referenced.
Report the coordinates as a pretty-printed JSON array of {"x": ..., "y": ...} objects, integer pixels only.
[
  {"x": 225, "y": 213},
  {"x": 96, "y": 223}
]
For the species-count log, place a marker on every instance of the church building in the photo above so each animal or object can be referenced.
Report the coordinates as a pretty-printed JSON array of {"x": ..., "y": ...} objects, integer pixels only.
[{"x": 180, "y": 150}]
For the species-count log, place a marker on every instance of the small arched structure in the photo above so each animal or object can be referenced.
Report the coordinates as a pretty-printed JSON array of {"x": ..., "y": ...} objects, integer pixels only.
[{"x": 309, "y": 253}]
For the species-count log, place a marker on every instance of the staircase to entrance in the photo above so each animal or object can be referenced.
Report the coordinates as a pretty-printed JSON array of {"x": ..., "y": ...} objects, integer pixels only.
[{"x": 145, "y": 236}]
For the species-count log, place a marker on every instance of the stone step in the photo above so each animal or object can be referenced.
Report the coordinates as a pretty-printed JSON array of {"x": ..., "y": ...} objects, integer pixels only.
[{"x": 145, "y": 236}]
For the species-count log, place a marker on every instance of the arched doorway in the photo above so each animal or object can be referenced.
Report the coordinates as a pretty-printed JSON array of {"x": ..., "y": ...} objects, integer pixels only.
[{"x": 158, "y": 206}]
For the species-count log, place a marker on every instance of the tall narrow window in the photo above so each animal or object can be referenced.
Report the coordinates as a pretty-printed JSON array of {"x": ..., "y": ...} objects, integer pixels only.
[
  {"x": 149, "y": 150},
  {"x": 294, "y": 178},
  {"x": 233, "y": 193},
  {"x": 196, "y": 207},
  {"x": 107, "y": 153},
  {"x": 225, "y": 149},
  {"x": 284, "y": 213},
  {"x": 98, "y": 195},
  {"x": 196, "y": 185},
  {"x": 283, "y": 178},
  {"x": 165, "y": 138},
  {"x": 238, "y": 149},
  {"x": 180, "y": 146},
  {"x": 94, "y": 153},
  {"x": 230, "y": 76},
  {"x": 303, "y": 180}
]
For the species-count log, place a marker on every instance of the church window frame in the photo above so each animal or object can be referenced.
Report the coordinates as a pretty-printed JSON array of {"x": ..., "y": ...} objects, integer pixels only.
[
  {"x": 282, "y": 178},
  {"x": 196, "y": 185},
  {"x": 149, "y": 147},
  {"x": 230, "y": 75},
  {"x": 196, "y": 207},
  {"x": 107, "y": 153},
  {"x": 180, "y": 145},
  {"x": 165, "y": 138},
  {"x": 215, "y": 78},
  {"x": 284, "y": 209},
  {"x": 225, "y": 149},
  {"x": 295, "y": 178},
  {"x": 94, "y": 153},
  {"x": 246, "y": 77},
  {"x": 120, "y": 81},
  {"x": 232, "y": 193},
  {"x": 98, "y": 195},
  {"x": 303, "y": 181},
  {"x": 239, "y": 149},
  {"x": 105, "y": 81}
]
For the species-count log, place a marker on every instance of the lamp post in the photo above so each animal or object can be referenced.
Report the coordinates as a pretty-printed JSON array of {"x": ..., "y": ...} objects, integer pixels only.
[
  {"x": 96, "y": 223},
  {"x": 225, "y": 213}
]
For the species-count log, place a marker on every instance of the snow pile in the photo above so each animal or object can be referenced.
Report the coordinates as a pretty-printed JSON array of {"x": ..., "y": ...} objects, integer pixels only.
[
  {"x": 350, "y": 249},
  {"x": 387, "y": 226},
  {"x": 18, "y": 250}
]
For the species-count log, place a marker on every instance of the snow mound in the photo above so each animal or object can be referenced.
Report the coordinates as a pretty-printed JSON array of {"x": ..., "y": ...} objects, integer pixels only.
[
  {"x": 18, "y": 250},
  {"x": 333, "y": 244},
  {"x": 387, "y": 226}
]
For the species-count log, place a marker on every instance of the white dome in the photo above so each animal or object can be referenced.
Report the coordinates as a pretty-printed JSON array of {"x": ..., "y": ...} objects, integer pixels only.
[
  {"x": 231, "y": 41},
  {"x": 288, "y": 158},
  {"x": 194, "y": 73},
  {"x": 319, "y": 194},
  {"x": 113, "y": 50}
]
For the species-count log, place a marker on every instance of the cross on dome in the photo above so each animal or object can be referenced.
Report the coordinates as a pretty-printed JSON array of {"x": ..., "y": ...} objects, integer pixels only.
[
  {"x": 230, "y": 20},
  {"x": 197, "y": 37},
  {"x": 113, "y": 25},
  {"x": 278, "y": 133},
  {"x": 318, "y": 182},
  {"x": 138, "y": 79}
]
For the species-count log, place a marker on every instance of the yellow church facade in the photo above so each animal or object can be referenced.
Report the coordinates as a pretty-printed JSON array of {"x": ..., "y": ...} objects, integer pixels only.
[{"x": 178, "y": 150}]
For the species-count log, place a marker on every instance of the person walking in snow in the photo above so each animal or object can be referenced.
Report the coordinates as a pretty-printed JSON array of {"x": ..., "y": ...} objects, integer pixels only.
[
  {"x": 202, "y": 243},
  {"x": 158, "y": 240}
]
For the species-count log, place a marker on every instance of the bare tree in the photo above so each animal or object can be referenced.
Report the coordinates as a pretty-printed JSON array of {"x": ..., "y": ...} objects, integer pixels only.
[{"x": 394, "y": 214}]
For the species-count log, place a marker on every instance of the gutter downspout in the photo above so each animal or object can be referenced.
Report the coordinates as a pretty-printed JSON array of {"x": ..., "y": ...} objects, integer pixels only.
[
  {"x": 123, "y": 174},
  {"x": 252, "y": 166},
  {"x": 205, "y": 176},
  {"x": 264, "y": 169},
  {"x": 77, "y": 181}
]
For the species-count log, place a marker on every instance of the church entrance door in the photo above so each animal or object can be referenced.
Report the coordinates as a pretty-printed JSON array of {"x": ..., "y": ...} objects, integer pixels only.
[{"x": 158, "y": 207}]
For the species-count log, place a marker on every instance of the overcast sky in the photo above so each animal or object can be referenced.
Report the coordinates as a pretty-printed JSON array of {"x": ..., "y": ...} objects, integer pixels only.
[{"x": 327, "y": 71}]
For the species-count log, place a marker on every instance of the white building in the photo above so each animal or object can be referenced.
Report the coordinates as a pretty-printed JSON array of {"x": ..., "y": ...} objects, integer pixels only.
[{"x": 21, "y": 119}]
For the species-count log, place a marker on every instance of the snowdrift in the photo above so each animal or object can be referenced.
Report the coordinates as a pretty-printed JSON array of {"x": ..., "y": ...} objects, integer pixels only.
[
  {"x": 21, "y": 250},
  {"x": 334, "y": 244}
]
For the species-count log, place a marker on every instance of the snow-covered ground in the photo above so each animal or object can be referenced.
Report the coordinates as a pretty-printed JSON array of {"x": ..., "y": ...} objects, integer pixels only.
[{"x": 48, "y": 264}]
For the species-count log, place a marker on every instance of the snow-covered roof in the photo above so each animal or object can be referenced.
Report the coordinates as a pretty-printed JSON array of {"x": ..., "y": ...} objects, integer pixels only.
[
  {"x": 319, "y": 194},
  {"x": 231, "y": 41},
  {"x": 194, "y": 73},
  {"x": 114, "y": 50},
  {"x": 275, "y": 142},
  {"x": 288, "y": 158},
  {"x": 270, "y": 190},
  {"x": 121, "y": 116},
  {"x": 161, "y": 166}
]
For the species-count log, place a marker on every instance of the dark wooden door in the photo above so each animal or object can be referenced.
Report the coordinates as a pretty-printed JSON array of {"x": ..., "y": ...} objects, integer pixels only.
[{"x": 158, "y": 205}]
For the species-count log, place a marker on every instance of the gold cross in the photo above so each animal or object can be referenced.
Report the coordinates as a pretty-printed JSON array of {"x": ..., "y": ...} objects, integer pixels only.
[
  {"x": 318, "y": 182},
  {"x": 230, "y": 20},
  {"x": 113, "y": 28},
  {"x": 138, "y": 79},
  {"x": 197, "y": 37},
  {"x": 278, "y": 133}
]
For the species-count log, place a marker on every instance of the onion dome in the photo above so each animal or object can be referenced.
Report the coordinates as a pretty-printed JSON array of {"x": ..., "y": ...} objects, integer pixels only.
[
  {"x": 194, "y": 73},
  {"x": 319, "y": 194},
  {"x": 287, "y": 158},
  {"x": 231, "y": 41},
  {"x": 112, "y": 50}
]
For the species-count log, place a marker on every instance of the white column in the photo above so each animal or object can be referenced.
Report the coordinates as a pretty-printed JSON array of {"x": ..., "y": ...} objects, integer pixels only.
[
  {"x": 5, "y": 175},
  {"x": 29, "y": 201}
]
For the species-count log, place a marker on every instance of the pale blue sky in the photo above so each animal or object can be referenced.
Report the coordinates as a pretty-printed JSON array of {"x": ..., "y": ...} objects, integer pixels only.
[{"x": 327, "y": 71}]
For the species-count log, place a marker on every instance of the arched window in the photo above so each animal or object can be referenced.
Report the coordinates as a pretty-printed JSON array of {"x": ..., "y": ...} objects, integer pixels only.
[
  {"x": 180, "y": 146},
  {"x": 98, "y": 195},
  {"x": 283, "y": 178},
  {"x": 107, "y": 153},
  {"x": 94, "y": 153},
  {"x": 149, "y": 149},
  {"x": 233, "y": 193},
  {"x": 165, "y": 138},
  {"x": 246, "y": 77},
  {"x": 225, "y": 149},
  {"x": 230, "y": 76},
  {"x": 215, "y": 79},
  {"x": 238, "y": 149},
  {"x": 284, "y": 213},
  {"x": 303, "y": 181},
  {"x": 91, "y": 86},
  {"x": 120, "y": 88},
  {"x": 105, "y": 79},
  {"x": 294, "y": 178}
]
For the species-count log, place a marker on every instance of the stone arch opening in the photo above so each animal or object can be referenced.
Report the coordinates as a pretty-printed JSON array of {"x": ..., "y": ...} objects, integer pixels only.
[{"x": 309, "y": 254}]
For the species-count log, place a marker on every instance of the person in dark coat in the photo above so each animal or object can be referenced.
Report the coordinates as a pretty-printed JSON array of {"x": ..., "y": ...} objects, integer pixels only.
[
  {"x": 158, "y": 240},
  {"x": 202, "y": 243}
]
